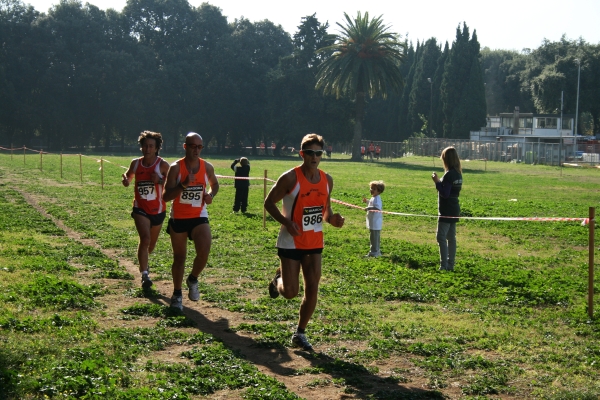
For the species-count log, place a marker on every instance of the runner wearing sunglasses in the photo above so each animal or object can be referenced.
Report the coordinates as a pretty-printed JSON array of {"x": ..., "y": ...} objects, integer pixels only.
[
  {"x": 306, "y": 206},
  {"x": 186, "y": 185}
]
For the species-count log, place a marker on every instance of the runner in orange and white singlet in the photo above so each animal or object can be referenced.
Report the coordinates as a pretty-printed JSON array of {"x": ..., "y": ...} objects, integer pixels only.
[
  {"x": 148, "y": 211},
  {"x": 305, "y": 192},
  {"x": 190, "y": 204},
  {"x": 187, "y": 185},
  {"x": 305, "y": 206}
]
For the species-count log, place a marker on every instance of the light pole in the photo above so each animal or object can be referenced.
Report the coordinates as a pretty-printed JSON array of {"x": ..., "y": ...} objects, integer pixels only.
[
  {"x": 577, "y": 106},
  {"x": 430, "y": 104}
]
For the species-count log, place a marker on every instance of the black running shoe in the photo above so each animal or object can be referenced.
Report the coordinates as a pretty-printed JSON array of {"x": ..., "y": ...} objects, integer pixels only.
[
  {"x": 273, "y": 292},
  {"x": 146, "y": 282},
  {"x": 299, "y": 340}
]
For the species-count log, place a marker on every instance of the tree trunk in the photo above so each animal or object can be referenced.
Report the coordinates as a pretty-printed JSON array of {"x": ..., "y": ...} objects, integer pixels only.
[{"x": 360, "y": 114}]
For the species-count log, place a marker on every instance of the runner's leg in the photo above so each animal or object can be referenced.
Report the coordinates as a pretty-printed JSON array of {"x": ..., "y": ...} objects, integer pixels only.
[
  {"x": 142, "y": 225},
  {"x": 202, "y": 241},
  {"x": 179, "y": 244},
  {"x": 311, "y": 270}
]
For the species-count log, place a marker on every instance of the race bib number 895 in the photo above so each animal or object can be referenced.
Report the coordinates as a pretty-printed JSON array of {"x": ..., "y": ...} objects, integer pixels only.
[
  {"x": 192, "y": 195},
  {"x": 312, "y": 219}
]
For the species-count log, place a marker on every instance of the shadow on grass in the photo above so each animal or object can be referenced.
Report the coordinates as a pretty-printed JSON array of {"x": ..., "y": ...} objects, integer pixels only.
[{"x": 356, "y": 379}]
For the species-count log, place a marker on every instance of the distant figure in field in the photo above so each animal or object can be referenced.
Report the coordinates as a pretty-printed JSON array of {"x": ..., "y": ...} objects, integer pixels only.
[
  {"x": 448, "y": 206},
  {"x": 329, "y": 150},
  {"x": 305, "y": 192},
  {"x": 371, "y": 150},
  {"x": 362, "y": 151},
  {"x": 374, "y": 218},
  {"x": 241, "y": 185},
  {"x": 149, "y": 208},
  {"x": 186, "y": 185},
  {"x": 377, "y": 151}
]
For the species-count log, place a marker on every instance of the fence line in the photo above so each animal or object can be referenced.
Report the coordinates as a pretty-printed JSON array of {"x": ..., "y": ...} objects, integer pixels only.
[{"x": 506, "y": 151}]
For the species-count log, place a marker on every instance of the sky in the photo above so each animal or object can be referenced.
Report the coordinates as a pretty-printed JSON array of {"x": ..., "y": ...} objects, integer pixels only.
[{"x": 506, "y": 24}]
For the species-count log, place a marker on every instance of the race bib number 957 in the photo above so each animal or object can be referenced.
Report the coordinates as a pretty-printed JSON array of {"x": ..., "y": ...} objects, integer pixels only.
[
  {"x": 192, "y": 195},
  {"x": 312, "y": 219},
  {"x": 146, "y": 190}
]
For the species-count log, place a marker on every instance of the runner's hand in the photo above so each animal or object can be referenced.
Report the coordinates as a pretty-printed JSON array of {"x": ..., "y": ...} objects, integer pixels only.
[
  {"x": 293, "y": 228},
  {"x": 336, "y": 220}
]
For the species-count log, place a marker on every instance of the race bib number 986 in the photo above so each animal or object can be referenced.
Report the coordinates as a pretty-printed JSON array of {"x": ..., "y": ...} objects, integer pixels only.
[
  {"x": 192, "y": 195},
  {"x": 146, "y": 190},
  {"x": 312, "y": 219}
]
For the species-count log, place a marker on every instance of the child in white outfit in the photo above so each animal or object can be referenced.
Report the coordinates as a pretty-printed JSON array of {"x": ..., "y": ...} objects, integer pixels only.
[{"x": 374, "y": 218}]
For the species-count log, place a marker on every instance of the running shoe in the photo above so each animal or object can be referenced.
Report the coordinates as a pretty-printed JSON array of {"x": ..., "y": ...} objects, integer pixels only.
[
  {"x": 176, "y": 302},
  {"x": 146, "y": 282},
  {"x": 193, "y": 293},
  {"x": 273, "y": 292},
  {"x": 299, "y": 340}
]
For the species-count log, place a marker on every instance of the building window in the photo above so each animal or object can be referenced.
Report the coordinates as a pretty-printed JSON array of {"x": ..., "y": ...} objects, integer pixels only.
[
  {"x": 547, "y": 123},
  {"x": 507, "y": 122},
  {"x": 525, "y": 122},
  {"x": 566, "y": 123}
]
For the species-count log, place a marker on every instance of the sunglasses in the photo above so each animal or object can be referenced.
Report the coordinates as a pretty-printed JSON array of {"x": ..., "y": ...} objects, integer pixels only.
[
  {"x": 311, "y": 153},
  {"x": 194, "y": 146}
]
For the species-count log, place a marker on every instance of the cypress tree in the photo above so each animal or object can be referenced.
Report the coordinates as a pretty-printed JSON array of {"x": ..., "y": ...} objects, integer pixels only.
[
  {"x": 403, "y": 122},
  {"x": 438, "y": 114},
  {"x": 463, "y": 94},
  {"x": 421, "y": 91}
]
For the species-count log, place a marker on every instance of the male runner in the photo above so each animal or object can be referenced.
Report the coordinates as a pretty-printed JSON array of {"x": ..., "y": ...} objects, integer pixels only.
[
  {"x": 186, "y": 185},
  {"x": 149, "y": 208},
  {"x": 306, "y": 194}
]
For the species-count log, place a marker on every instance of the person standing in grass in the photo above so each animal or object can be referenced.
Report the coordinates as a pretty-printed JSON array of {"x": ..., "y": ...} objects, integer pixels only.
[
  {"x": 448, "y": 206},
  {"x": 241, "y": 185},
  {"x": 374, "y": 217},
  {"x": 305, "y": 192},
  {"x": 149, "y": 208},
  {"x": 186, "y": 186}
]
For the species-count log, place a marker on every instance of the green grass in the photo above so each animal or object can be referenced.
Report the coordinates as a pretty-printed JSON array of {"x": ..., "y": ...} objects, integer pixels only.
[{"x": 511, "y": 321}]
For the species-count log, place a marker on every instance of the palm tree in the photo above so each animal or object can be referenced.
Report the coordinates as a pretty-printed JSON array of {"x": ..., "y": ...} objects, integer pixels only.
[{"x": 364, "y": 60}]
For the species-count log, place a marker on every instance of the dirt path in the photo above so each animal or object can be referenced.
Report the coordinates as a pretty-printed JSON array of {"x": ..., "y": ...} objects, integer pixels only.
[{"x": 280, "y": 364}]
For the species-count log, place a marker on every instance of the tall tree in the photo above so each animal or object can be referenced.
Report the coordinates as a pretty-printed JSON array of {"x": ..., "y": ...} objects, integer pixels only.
[
  {"x": 295, "y": 107},
  {"x": 421, "y": 94},
  {"x": 364, "y": 61},
  {"x": 437, "y": 125},
  {"x": 462, "y": 90},
  {"x": 411, "y": 60}
]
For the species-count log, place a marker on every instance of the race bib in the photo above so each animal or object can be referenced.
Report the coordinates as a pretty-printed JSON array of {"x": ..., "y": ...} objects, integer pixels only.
[
  {"x": 146, "y": 190},
  {"x": 312, "y": 219},
  {"x": 192, "y": 195}
]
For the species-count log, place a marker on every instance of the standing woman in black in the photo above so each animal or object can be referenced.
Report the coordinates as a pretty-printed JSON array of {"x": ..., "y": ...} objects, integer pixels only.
[{"x": 448, "y": 206}]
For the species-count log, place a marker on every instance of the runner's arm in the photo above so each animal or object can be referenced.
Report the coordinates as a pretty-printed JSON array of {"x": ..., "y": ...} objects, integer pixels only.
[
  {"x": 284, "y": 184},
  {"x": 213, "y": 182},
  {"x": 172, "y": 187},
  {"x": 334, "y": 219},
  {"x": 128, "y": 175}
]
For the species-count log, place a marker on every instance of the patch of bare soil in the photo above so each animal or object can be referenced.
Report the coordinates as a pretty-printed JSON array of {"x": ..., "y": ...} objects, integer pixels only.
[{"x": 280, "y": 364}]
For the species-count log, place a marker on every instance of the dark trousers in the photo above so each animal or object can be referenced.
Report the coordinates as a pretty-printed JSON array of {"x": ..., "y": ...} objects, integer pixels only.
[{"x": 241, "y": 199}]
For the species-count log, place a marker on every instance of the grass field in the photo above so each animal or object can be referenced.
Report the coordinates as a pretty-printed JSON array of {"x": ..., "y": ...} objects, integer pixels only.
[{"x": 510, "y": 322}]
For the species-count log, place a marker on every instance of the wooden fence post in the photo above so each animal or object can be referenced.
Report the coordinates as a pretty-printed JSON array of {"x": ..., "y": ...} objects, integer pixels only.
[{"x": 592, "y": 226}]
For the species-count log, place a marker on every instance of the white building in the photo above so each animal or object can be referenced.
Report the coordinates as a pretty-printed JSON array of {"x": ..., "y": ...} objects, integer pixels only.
[{"x": 527, "y": 128}]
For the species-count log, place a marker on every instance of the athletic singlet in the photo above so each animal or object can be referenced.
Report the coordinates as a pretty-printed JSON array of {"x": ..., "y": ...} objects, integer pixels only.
[
  {"x": 306, "y": 204},
  {"x": 148, "y": 195},
  {"x": 190, "y": 203}
]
